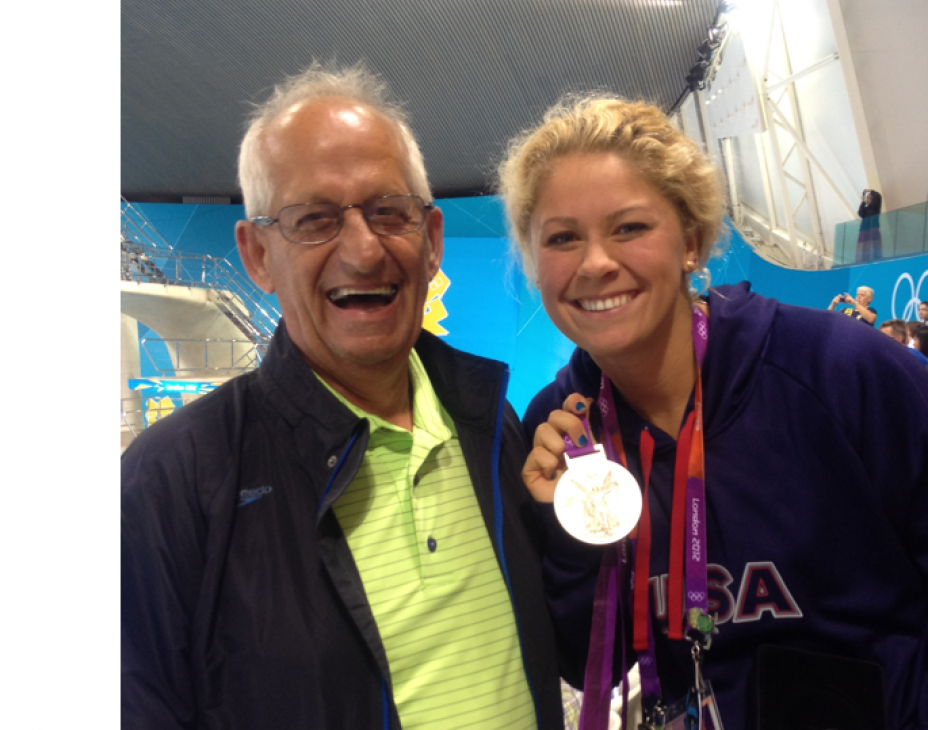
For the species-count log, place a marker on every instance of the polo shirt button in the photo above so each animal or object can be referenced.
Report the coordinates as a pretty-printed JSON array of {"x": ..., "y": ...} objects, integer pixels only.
[
  {"x": 432, "y": 544},
  {"x": 333, "y": 460}
]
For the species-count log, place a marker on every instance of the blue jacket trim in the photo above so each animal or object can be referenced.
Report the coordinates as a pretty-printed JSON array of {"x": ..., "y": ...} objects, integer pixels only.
[
  {"x": 497, "y": 491},
  {"x": 386, "y": 704},
  {"x": 338, "y": 468}
]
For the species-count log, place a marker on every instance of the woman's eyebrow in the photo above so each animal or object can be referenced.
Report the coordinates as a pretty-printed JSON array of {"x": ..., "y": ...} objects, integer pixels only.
[
  {"x": 562, "y": 219},
  {"x": 570, "y": 220},
  {"x": 627, "y": 209}
]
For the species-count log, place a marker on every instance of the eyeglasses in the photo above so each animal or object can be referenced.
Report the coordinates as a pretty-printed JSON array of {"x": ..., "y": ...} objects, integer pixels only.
[{"x": 315, "y": 223}]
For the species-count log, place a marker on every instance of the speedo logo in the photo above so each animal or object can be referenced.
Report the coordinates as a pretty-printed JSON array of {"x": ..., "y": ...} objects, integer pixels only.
[{"x": 247, "y": 496}]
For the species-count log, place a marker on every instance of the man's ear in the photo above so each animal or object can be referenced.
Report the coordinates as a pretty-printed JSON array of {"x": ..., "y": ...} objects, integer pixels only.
[
  {"x": 434, "y": 231},
  {"x": 252, "y": 249}
]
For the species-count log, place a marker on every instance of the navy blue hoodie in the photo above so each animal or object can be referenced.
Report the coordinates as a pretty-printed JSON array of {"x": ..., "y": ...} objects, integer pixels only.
[{"x": 816, "y": 458}]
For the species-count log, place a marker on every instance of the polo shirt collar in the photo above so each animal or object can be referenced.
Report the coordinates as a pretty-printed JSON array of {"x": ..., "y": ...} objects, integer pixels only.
[{"x": 428, "y": 414}]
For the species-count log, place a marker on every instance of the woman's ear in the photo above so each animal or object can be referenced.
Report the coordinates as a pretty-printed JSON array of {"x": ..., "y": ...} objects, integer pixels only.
[{"x": 691, "y": 247}]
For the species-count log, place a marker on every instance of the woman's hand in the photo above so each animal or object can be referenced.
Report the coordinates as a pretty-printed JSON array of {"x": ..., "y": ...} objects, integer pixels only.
[{"x": 546, "y": 463}]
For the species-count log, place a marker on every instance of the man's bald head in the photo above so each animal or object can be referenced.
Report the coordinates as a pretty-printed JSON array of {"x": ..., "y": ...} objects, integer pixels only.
[{"x": 316, "y": 84}]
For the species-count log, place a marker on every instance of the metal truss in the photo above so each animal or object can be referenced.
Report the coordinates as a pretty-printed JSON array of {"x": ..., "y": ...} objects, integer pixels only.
[{"x": 804, "y": 248}]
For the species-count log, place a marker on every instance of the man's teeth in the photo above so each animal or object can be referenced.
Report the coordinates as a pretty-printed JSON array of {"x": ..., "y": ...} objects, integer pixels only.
[
  {"x": 347, "y": 291},
  {"x": 600, "y": 305}
]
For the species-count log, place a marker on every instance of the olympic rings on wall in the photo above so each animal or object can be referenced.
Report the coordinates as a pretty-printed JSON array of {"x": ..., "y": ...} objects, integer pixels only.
[{"x": 910, "y": 309}]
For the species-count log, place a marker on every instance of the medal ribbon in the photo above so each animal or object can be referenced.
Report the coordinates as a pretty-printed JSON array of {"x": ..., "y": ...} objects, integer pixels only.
[{"x": 688, "y": 491}]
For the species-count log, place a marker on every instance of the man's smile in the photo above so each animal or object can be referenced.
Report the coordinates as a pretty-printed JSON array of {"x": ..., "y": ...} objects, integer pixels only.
[{"x": 347, "y": 297}]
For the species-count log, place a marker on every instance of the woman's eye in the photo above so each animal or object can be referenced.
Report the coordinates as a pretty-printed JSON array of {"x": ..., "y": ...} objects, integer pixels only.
[
  {"x": 559, "y": 239},
  {"x": 630, "y": 228}
]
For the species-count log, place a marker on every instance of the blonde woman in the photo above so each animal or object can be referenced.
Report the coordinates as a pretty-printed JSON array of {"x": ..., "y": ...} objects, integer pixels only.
[{"x": 781, "y": 452}]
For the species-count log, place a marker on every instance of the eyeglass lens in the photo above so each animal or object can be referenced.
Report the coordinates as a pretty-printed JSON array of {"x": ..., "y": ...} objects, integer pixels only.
[{"x": 392, "y": 215}]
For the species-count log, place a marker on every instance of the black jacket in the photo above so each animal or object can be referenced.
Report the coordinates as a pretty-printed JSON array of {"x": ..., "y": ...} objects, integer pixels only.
[
  {"x": 870, "y": 214},
  {"x": 242, "y": 606}
]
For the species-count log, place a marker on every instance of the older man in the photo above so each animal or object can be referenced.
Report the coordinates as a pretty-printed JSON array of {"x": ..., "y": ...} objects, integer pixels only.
[
  {"x": 340, "y": 539},
  {"x": 858, "y": 308}
]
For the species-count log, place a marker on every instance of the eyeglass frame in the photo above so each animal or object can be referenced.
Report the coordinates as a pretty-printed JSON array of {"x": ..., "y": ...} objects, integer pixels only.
[{"x": 263, "y": 221}]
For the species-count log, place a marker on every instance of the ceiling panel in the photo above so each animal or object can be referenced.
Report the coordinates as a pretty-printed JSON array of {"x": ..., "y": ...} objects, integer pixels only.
[{"x": 472, "y": 74}]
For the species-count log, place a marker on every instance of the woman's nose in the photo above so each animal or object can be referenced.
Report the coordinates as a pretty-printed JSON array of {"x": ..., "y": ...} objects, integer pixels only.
[{"x": 598, "y": 259}]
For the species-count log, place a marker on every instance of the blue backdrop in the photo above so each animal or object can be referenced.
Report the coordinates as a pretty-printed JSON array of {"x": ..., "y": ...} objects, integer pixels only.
[{"x": 493, "y": 312}]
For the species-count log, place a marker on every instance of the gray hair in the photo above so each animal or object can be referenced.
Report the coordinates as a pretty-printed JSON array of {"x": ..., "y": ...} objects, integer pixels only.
[{"x": 318, "y": 81}]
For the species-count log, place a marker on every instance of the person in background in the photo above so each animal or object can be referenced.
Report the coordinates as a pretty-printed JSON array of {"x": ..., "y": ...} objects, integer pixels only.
[
  {"x": 923, "y": 312},
  {"x": 340, "y": 539},
  {"x": 920, "y": 338},
  {"x": 781, "y": 453},
  {"x": 869, "y": 241},
  {"x": 858, "y": 308},
  {"x": 896, "y": 329}
]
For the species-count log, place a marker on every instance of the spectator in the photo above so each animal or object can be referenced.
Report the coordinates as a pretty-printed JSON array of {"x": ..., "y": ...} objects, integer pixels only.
[
  {"x": 896, "y": 328},
  {"x": 869, "y": 242},
  {"x": 858, "y": 308},
  {"x": 923, "y": 312},
  {"x": 920, "y": 336}
]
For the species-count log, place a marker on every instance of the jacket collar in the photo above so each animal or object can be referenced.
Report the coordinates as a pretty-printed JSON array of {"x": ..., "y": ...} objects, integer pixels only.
[
  {"x": 329, "y": 440},
  {"x": 295, "y": 392},
  {"x": 467, "y": 385}
]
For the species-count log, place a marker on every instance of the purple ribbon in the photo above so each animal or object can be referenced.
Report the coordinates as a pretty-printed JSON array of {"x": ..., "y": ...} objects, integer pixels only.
[
  {"x": 695, "y": 566},
  {"x": 597, "y": 679},
  {"x": 573, "y": 451},
  {"x": 696, "y": 570},
  {"x": 607, "y": 602}
]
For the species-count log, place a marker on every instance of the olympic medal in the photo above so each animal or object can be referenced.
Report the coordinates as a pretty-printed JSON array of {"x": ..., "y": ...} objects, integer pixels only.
[{"x": 596, "y": 500}]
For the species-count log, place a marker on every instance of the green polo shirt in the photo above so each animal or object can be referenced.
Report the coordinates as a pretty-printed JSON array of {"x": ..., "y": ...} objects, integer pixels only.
[{"x": 432, "y": 579}]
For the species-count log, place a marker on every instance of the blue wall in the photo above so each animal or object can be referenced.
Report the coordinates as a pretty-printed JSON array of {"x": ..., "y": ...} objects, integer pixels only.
[
  {"x": 898, "y": 284},
  {"x": 493, "y": 312}
]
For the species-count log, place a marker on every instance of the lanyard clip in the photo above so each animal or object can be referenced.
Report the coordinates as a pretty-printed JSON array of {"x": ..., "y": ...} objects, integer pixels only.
[
  {"x": 702, "y": 627},
  {"x": 591, "y": 454},
  {"x": 696, "y": 652},
  {"x": 693, "y": 717}
]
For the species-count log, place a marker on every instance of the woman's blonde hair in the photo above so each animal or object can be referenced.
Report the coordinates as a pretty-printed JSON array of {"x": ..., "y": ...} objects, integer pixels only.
[{"x": 639, "y": 133}]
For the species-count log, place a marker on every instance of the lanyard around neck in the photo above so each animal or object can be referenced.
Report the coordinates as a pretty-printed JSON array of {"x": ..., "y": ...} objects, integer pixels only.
[
  {"x": 687, "y": 542},
  {"x": 688, "y": 523}
]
